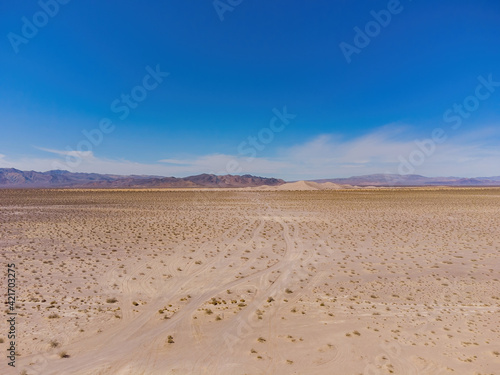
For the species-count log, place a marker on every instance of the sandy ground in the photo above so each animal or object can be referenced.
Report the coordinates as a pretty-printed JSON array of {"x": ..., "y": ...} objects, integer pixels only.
[{"x": 394, "y": 281}]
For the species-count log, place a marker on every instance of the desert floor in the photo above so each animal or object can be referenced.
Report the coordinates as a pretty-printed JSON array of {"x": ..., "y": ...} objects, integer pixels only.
[{"x": 380, "y": 281}]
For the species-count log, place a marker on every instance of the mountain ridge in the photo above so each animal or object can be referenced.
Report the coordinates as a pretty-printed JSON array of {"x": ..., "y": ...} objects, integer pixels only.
[
  {"x": 11, "y": 177},
  {"x": 15, "y": 178},
  {"x": 412, "y": 180}
]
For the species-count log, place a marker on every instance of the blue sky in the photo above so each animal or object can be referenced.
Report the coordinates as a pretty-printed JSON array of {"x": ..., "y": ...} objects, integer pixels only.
[{"x": 275, "y": 71}]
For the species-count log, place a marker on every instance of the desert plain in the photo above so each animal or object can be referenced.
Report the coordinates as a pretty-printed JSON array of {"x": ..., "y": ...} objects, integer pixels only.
[{"x": 359, "y": 281}]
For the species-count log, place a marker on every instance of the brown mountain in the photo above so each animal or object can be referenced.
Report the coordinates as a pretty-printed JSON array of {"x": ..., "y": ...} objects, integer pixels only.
[
  {"x": 10, "y": 177},
  {"x": 412, "y": 180}
]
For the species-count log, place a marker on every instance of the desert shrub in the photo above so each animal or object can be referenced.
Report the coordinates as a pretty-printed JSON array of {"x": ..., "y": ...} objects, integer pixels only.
[{"x": 54, "y": 344}]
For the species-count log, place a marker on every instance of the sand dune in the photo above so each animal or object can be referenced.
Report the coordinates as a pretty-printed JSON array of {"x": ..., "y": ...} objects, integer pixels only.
[{"x": 303, "y": 186}]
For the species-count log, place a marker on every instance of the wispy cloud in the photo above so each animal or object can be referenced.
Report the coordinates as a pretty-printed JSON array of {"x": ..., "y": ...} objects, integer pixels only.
[
  {"x": 77, "y": 154},
  {"x": 326, "y": 155},
  {"x": 473, "y": 154}
]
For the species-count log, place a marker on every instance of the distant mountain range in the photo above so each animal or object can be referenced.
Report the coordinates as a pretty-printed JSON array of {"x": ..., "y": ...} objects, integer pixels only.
[
  {"x": 10, "y": 177},
  {"x": 412, "y": 180}
]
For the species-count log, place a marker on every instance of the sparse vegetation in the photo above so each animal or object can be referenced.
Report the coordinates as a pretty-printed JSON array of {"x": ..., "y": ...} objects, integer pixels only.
[
  {"x": 408, "y": 267},
  {"x": 54, "y": 344}
]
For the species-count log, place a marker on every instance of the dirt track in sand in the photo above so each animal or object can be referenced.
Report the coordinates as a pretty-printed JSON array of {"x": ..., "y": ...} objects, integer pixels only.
[{"x": 255, "y": 282}]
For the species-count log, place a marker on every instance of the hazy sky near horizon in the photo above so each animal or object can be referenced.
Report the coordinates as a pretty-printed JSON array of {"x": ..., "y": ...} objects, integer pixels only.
[{"x": 289, "y": 89}]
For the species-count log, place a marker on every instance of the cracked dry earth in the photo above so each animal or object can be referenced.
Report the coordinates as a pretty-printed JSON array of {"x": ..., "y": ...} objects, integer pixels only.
[{"x": 382, "y": 281}]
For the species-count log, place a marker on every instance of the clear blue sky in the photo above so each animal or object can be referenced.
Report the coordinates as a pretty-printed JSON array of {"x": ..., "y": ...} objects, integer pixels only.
[{"x": 228, "y": 79}]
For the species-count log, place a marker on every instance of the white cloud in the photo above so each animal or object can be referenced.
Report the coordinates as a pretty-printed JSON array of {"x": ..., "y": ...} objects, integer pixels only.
[
  {"x": 471, "y": 154},
  {"x": 229, "y": 164},
  {"x": 216, "y": 163},
  {"x": 77, "y": 154}
]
